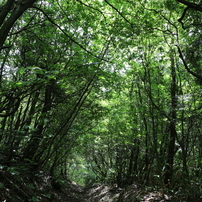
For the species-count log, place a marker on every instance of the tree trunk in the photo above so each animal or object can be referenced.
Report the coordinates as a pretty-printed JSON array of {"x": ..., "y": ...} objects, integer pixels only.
[
  {"x": 37, "y": 136},
  {"x": 14, "y": 12},
  {"x": 173, "y": 134}
]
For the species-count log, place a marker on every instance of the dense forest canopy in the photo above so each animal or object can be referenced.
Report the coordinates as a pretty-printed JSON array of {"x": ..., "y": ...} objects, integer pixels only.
[{"x": 102, "y": 90}]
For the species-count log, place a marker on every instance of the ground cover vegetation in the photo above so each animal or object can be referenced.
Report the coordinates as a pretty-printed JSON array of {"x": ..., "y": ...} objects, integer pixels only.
[{"x": 100, "y": 91}]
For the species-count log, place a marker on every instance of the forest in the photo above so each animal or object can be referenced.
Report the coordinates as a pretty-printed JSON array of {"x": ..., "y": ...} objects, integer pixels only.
[{"x": 100, "y": 93}]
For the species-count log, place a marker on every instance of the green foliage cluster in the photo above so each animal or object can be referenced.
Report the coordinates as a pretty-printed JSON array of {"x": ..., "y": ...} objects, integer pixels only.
[{"x": 103, "y": 91}]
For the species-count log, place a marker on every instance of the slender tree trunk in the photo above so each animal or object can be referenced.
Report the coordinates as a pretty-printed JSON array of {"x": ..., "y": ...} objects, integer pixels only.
[
  {"x": 37, "y": 136},
  {"x": 172, "y": 128}
]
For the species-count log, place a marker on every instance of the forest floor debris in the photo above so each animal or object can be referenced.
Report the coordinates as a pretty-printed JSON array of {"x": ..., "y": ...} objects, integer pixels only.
[{"x": 42, "y": 188}]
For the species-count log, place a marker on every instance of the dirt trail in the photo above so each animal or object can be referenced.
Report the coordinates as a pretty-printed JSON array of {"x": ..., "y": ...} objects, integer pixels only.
[
  {"x": 22, "y": 188},
  {"x": 106, "y": 193}
]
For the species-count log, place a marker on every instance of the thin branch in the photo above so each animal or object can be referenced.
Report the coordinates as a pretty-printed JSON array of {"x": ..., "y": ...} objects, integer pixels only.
[
  {"x": 119, "y": 12},
  {"x": 67, "y": 35},
  {"x": 27, "y": 26},
  {"x": 165, "y": 18},
  {"x": 91, "y": 7},
  {"x": 186, "y": 66}
]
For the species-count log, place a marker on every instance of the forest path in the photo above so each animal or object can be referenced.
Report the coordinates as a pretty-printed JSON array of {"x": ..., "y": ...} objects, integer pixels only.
[
  {"x": 18, "y": 188},
  {"x": 111, "y": 193}
]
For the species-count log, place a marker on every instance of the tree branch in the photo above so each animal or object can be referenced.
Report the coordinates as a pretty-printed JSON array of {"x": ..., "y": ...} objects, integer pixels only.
[
  {"x": 181, "y": 18},
  {"x": 5, "y": 9},
  {"x": 119, "y": 12},
  {"x": 89, "y": 6},
  {"x": 186, "y": 66},
  {"x": 67, "y": 35},
  {"x": 194, "y": 6},
  {"x": 15, "y": 13}
]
